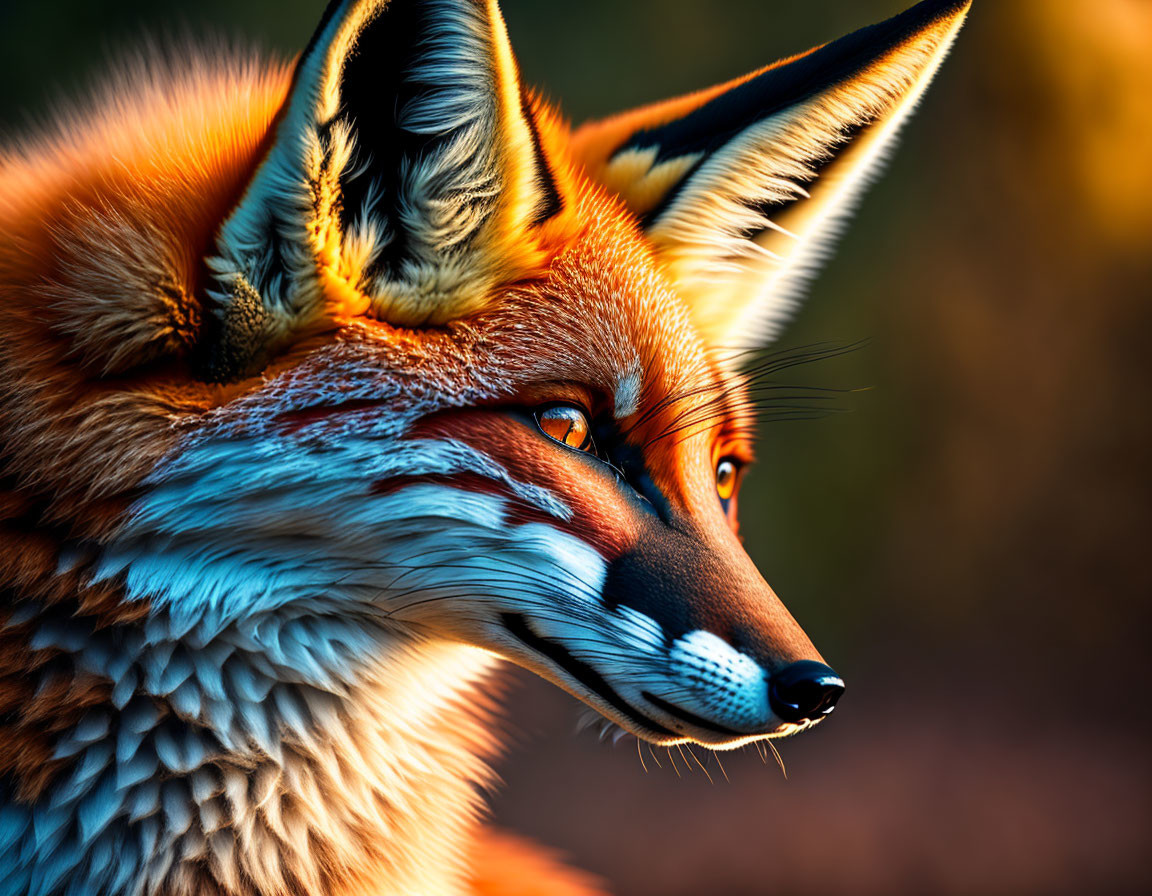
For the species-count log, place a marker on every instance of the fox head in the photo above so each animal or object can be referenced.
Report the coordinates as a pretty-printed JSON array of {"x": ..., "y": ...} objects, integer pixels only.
[{"x": 380, "y": 345}]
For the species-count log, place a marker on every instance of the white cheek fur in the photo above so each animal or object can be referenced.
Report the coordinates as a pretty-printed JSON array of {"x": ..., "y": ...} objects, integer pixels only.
[
  {"x": 238, "y": 530},
  {"x": 286, "y": 593},
  {"x": 717, "y": 681}
]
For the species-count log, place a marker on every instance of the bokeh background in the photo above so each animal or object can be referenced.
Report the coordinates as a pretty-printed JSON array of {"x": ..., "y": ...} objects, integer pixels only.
[{"x": 968, "y": 540}]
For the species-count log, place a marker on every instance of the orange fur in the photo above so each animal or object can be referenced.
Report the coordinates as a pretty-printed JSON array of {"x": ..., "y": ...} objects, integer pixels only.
[
  {"x": 505, "y": 865},
  {"x": 107, "y": 219},
  {"x": 114, "y": 282}
]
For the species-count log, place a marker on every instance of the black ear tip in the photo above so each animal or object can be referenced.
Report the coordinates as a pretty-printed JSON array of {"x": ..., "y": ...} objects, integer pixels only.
[{"x": 929, "y": 11}]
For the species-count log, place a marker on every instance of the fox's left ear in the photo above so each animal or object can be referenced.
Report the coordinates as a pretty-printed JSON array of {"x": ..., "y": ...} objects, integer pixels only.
[
  {"x": 405, "y": 177},
  {"x": 740, "y": 187}
]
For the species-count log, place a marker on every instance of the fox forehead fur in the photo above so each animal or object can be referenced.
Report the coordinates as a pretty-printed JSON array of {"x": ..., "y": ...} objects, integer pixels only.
[{"x": 278, "y": 487}]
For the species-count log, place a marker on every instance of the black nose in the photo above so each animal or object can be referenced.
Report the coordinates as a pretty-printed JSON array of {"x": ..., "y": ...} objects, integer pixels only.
[{"x": 804, "y": 690}]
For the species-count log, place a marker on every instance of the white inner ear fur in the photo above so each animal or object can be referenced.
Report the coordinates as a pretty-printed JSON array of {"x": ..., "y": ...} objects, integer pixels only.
[
  {"x": 741, "y": 291},
  {"x": 295, "y": 189},
  {"x": 460, "y": 249},
  {"x": 464, "y": 209}
]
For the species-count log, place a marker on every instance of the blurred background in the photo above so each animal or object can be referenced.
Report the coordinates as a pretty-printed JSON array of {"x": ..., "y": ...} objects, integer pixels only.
[{"x": 968, "y": 542}]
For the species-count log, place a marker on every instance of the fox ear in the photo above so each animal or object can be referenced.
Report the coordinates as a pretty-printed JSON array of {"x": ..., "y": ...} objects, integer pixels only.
[
  {"x": 404, "y": 178},
  {"x": 741, "y": 187}
]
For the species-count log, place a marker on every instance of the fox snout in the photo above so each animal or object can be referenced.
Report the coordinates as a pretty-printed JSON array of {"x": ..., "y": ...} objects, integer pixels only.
[
  {"x": 628, "y": 588},
  {"x": 687, "y": 650},
  {"x": 738, "y": 663}
]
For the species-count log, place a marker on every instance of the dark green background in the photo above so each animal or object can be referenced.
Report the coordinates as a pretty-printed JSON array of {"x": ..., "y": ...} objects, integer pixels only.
[{"x": 967, "y": 542}]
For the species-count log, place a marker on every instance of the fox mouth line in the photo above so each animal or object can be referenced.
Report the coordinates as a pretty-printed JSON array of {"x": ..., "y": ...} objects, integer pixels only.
[
  {"x": 583, "y": 673},
  {"x": 691, "y": 718}
]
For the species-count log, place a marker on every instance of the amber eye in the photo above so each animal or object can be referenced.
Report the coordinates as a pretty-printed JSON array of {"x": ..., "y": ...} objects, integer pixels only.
[
  {"x": 726, "y": 476},
  {"x": 568, "y": 425}
]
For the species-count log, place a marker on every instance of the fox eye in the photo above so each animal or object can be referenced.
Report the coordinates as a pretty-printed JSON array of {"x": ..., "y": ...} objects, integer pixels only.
[
  {"x": 568, "y": 425},
  {"x": 727, "y": 474}
]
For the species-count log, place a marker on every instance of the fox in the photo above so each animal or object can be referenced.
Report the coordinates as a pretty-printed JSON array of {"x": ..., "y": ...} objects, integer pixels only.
[{"x": 329, "y": 388}]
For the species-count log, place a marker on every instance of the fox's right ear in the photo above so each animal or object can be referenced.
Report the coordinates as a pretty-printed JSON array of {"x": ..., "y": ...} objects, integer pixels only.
[
  {"x": 405, "y": 178},
  {"x": 740, "y": 187}
]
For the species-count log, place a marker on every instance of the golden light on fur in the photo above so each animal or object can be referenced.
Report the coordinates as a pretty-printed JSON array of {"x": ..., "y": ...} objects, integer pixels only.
[
  {"x": 280, "y": 482},
  {"x": 642, "y": 182},
  {"x": 743, "y": 229}
]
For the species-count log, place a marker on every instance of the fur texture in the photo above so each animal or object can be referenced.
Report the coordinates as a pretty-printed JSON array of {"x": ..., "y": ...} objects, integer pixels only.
[{"x": 274, "y": 500}]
